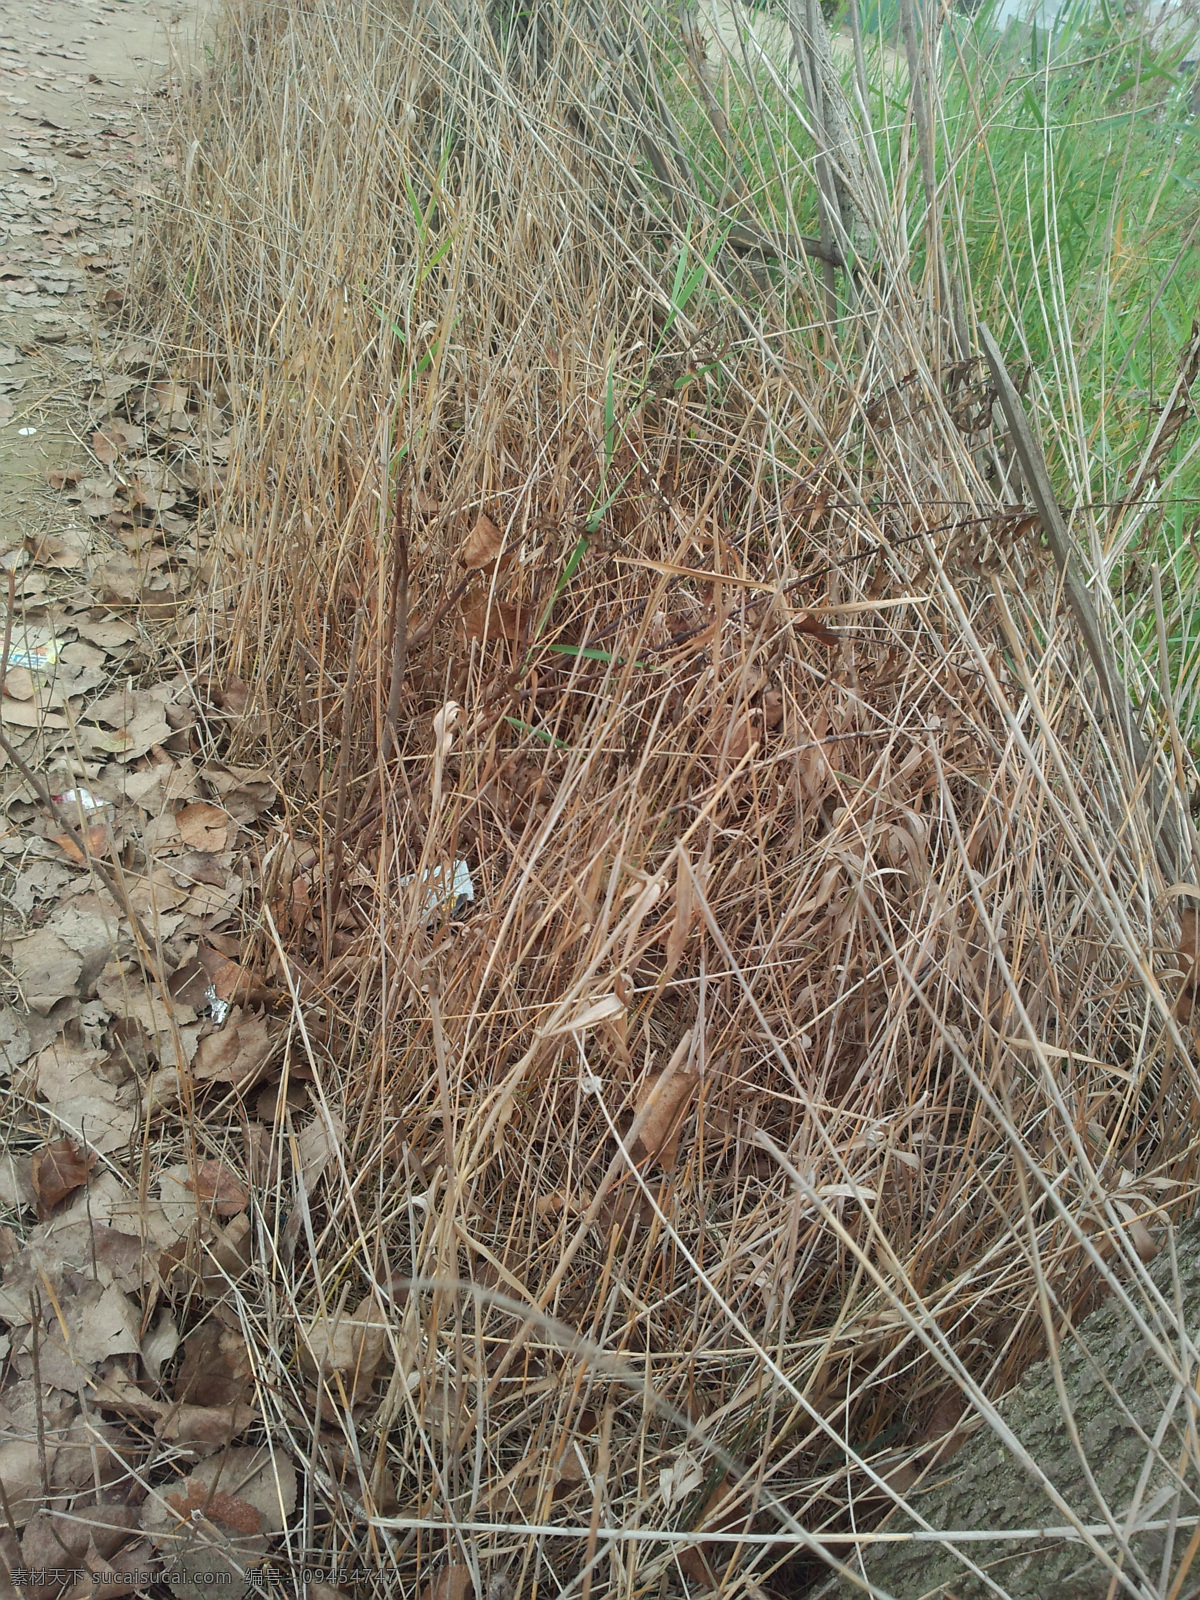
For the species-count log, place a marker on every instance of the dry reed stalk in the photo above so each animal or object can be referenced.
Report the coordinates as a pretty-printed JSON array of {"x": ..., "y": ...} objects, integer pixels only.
[{"x": 834, "y": 806}]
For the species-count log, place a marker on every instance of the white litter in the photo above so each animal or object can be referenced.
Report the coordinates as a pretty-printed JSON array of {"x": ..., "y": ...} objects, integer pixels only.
[
  {"x": 83, "y": 798},
  {"x": 457, "y": 894},
  {"x": 38, "y": 658},
  {"x": 218, "y": 1009}
]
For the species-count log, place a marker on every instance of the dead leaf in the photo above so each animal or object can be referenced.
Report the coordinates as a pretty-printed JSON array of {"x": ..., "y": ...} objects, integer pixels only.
[
  {"x": 483, "y": 544},
  {"x": 200, "y": 1428},
  {"x": 25, "y": 714},
  {"x": 16, "y": 1047},
  {"x": 216, "y": 1369},
  {"x": 225, "y": 1257},
  {"x": 236, "y": 1053},
  {"x": 84, "y": 1102},
  {"x": 163, "y": 1092},
  {"x": 45, "y": 968},
  {"x": 686, "y": 912},
  {"x": 350, "y": 1346},
  {"x": 95, "y": 843},
  {"x": 231, "y": 981},
  {"x": 816, "y": 629},
  {"x": 137, "y": 717},
  {"x": 108, "y": 633},
  {"x": 218, "y": 1186},
  {"x": 203, "y": 827},
  {"x": 92, "y": 1324},
  {"x": 206, "y": 1428},
  {"x": 63, "y": 551},
  {"x": 316, "y": 1145},
  {"x": 245, "y": 792},
  {"x": 484, "y": 617},
  {"x": 97, "y": 497},
  {"x": 125, "y": 991},
  {"x": 570, "y": 1473},
  {"x": 160, "y": 1344},
  {"x": 18, "y": 682},
  {"x": 56, "y": 1171},
  {"x": 109, "y": 1576},
  {"x": 772, "y": 708},
  {"x": 114, "y": 439},
  {"x": 669, "y": 1097},
  {"x": 452, "y": 1583},
  {"x": 681, "y": 1479},
  {"x": 21, "y": 1477},
  {"x": 229, "y": 1490},
  {"x": 607, "y": 1009},
  {"x": 217, "y": 1507},
  {"x": 729, "y": 739}
]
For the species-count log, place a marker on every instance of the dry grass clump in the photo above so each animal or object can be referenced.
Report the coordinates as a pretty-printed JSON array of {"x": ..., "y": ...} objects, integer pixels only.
[{"x": 811, "y": 1036}]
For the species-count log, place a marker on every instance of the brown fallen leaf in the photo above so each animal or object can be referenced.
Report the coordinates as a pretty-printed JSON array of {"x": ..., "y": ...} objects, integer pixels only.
[
  {"x": 160, "y": 1344},
  {"x": 225, "y": 1258},
  {"x": 57, "y": 1170},
  {"x": 230, "y": 980},
  {"x": 45, "y": 968},
  {"x": 21, "y": 1478},
  {"x": 114, "y": 439},
  {"x": 686, "y": 912},
  {"x": 483, "y": 618},
  {"x": 19, "y": 684},
  {"x": 351, "y": 1346},
  {"x": 218, "y": 1186},
  {"x": 96, "y": 1324},
  {"x": 110, "y": 1576},
  {"x": 95, "y": 841},
  {"x": 816, "y": 629},
  {"x": 25, "y": 714},
  {"x": 236, "y": 1053},
  {"x": 244, "y": 1482},
  {"x": 1189, "y": 954},
  {"x": 215, "y": 1370},
  {"x": 233, "y": 696},
  {"x": 669, "y": 1097},
  {"x": 206, "y": 1428},
  {"x": 483, "y": 544},
  {"x": 217, "y": 1507},
  {"x": 46, "y": 1541},
  {"x": 316, "y": 1145},
  {"x": 202, "y": 1428},
  {"x": 63, "y": 551},
  {"x": 245, "y": 792},
  {"x": 452, "y": 1583},
  {"x": 203, "y": 827},
  {"x": 71, "y": 1080}
]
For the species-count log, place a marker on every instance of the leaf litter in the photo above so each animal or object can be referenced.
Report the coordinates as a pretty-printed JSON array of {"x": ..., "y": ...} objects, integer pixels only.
[
  {"x": 127, "y": 1229},
  {"x": 194, "y": 1125}
]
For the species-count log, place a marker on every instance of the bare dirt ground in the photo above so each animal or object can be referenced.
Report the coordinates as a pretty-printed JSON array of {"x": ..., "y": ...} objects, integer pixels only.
[
  {"x": 77, "y": 81},
  {"x": 114, "y": 903}
]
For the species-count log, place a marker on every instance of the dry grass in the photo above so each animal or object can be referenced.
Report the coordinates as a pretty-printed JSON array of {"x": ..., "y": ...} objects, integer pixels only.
[{"x": 886, "y": 905}]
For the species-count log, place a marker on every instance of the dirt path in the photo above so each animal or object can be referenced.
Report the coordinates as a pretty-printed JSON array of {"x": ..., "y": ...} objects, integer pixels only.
[
  {"x": 121, "y": 993},
  {"x": 76, "y": 80}
]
